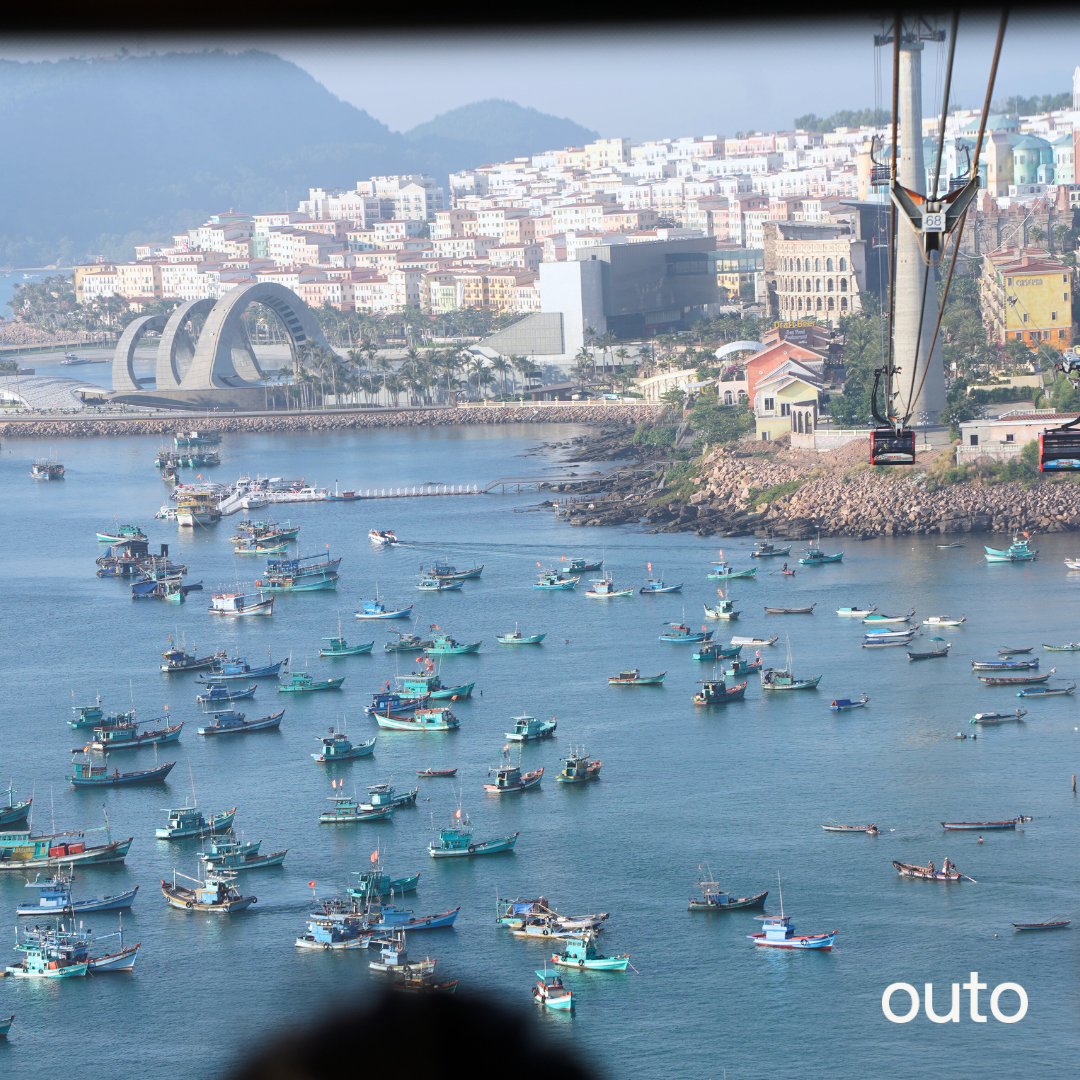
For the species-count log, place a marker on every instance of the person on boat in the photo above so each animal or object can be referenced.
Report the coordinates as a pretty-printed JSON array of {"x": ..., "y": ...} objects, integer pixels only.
[
  {"x": 946, "y": 866},
  {"x": 931, "y": 867},
  {"x": 784, "y": 567}
]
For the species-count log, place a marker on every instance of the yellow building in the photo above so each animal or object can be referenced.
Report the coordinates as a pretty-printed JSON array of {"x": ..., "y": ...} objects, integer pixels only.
[{"x": 1026, "y": 295}]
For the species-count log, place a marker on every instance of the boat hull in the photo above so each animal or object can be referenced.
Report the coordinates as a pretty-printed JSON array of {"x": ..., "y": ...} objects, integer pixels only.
[
  {"x": 72, "y": 971},
  {"x": 349, "y": 650},
  {"x": 257, "y": 863},
  {"x": 124, "y": 960},
  {"x": 118, "y": 779},
  {"x": 104, "y": 903},
  {"x": 266, "y": 723},
  {"x": 807, "y": 941},
  {"x": 489, "y": 847},
  {"x": 757, "y": 901},
  {"x": 401, "y": 613},
  {"x": 606, "y": 963},
  {"x": 115, "y": 852},
  {"x": 912, "y": 871},
  {"x": 981, "y": 826},
  {"x": 178, "y": 899},
  {"x": 510, "y": 639}
]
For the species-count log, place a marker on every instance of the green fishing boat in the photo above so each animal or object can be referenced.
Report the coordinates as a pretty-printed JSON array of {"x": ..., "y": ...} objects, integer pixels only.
[
  {"x": 301, "y": 682},
  {"x": 518, "y": 638},
  {"x": 338, "y": 646},
  {"x": 443, "y": 644}
]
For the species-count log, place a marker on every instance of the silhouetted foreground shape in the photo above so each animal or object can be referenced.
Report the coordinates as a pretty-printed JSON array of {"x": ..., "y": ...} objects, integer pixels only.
[{"x": 426, "y": 1035}]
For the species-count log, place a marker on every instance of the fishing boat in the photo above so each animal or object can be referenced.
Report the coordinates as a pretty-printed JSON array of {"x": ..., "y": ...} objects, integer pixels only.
[
  {"x": 817, "y": 557},
  {"x": 723, "y": 572},
  {"x": 982, "y": 826},
  {"x": 530, "y": 729},
  {"x": 293, "y": 583},
  {"x": 1019, "y": 551},
  {"x": 225, "y": 669},
  {"x": 784, "y": 570},
  {"x": 717, "y": 692},
  {"x": 394, "y": 959},
  {"x": 91, "y": 716},
  {"x": 376, "y": 609},
  {"x": 583, "y": 566},
  {"x": 958, "y": 544},
  {"x": 452, "y": 573},
  {"x": 553, "y": 581},
  {"x": 1009, "y": 650},
  {"x": 47, "y": 470},
  {"x": 304, "y": 566},
  {"x": 5, "y": 1025},
  {"x": 944, "y": 620},
  {"x": 188, "y": 821},
  {"x": 871, "y": 830},
  {"x": 550, "y": 992},
  {"x": 633, "y": 677},
  {"x": 509, "y": 779},
  {"x": 877, "y": 619},
  {"x": 1047, "y": 691},
  {"x": 337, "y": 747},
  {"x": 518, "y": 638},
  {"x": 54, "y": 898},
  {"x": 383, "y": 537},
  {"x": 388, "y": 701},
  {"x": 374, "y": 886},
  {"x": 724, "y": 610},
  {"x": 783, "y": 679},
  {"x": 680, "y": 634},
  {"x": 997, "y": 717},
  {"x": 345, "y": 810},
  {"x": 577, "y": 768},
  {"x": 885, "y": 643},
  {"x": 442, "y": 644},
  {"x": 427, "y": 684},
  {"x": 215, "y": 892},
  {"x": 338, "y": 646},
  {"x": 930, "y": 654},
  {"x": 715, "y": 650},
  {"x": 15, "y": 813},
  {"x": 178, "y": 659},
  {"x": 777, "y": 932},
  {"x": 44, "y": 957},
  {"x": 436, "y": 772},
  {"x": 423, "y": 984},
  {"x": 753, "y": 641},
  {"x": 406, "y": 642},
  {"x": 228, "y": 853},
  {"x": 714, "y": 898},
  {"x": 332, "y": 933},
  {"x": 21, "y": 851},
  {"x": 579, "y": 951},
  {"x": 455, "y": 841},
  {"x": 235, "y": 723},
  {"x": 197, "y": 438},
  {"x": 842, "y": 704},
  {"x": 260, "y": 549},
  {"x": 855, "y": 612},
  {"x": 604, "y": 589},
  {"x": 216, "y": 692},
  {"x": 656, "y": 585},
  {"x": 88, "y": 774},
  {"x": 764, "y": 550},
  {"x": 434, "y": 584},
  {"x": 889, "y": 635},
  {"x": 1053, "y": 924},
  {"x": 381, "y": 796},
  {"x": 197, "y": 508},
  {"x": 432, "y": 719},
  {"x": 791, "y": 610},
  {"x": 1005, "y": 665},
  {"x": 1013, "y": 680},
  {"x": 239, "y": 603},
  {"x": 1071, "y": 647},
  {"x": 929, "y": 873},
  {"x": 126, "y": 735},
  {"x": 300, "y": 682},
  {"x": 740, "y": 666},
  {"x": 120, "y": 534}
]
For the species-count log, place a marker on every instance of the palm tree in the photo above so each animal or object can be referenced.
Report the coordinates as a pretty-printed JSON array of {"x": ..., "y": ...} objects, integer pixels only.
[{"x": 501, "y": 366}]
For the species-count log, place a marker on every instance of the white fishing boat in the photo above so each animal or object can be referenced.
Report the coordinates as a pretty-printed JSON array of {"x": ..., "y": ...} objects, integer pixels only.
[
  {"x": 240, "y": 603},
  {"x": 755, "y": 640},
  {"x": 944, "y": 620}
]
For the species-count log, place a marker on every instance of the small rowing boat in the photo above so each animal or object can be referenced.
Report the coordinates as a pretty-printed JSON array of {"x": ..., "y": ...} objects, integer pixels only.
[
  {"x": 791, "y": 610},
  {"x": 870, "y": 830},
  {"x": 633, "y": 677},
  {"x": 981, "y": 826},
  {"x": 754, "y": 641},
  {"x": 840, "y": 704},
  {"x": 944, "y": 620},
  {"x": 945, "y": 547},
  {"x": 436, "y": 772},
  {"x": 1052, "y": 924},
  {"x": 1046, "y": 691},
  {"x": 997, "y": 717},
  {"x": 1013, "y": 680},
  {"x": 930, "y": 873},
  {"x": 1071, "y": 647}
]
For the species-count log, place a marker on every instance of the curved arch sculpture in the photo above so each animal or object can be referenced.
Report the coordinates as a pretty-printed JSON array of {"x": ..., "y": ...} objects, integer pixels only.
[
  {"x": 123, "y": 374},
  {"x": 176, "y": 350},
  {"x": 223, "y": 356},
  {"x": 738, "y": 346}
]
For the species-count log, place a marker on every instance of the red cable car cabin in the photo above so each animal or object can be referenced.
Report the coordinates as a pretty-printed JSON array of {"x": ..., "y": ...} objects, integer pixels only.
[{"x": 889, "y": 447}]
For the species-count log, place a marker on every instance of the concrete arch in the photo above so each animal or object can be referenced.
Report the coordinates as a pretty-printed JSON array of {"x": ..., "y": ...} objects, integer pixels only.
[
  {"x": 123, "y": 374},
  {"x": 738, "y": 346},
  {"x": 177, "y": 348},
  {"x": 224, "y": 357}
]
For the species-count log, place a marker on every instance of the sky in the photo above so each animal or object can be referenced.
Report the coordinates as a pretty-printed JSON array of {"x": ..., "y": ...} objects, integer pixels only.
[{"x": 651, "y": 83}]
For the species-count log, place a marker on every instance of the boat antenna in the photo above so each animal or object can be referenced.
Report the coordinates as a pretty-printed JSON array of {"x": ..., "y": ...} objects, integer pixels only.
[
  {"x": 52, "y": 807},
  {"x": 780, "y": 889},
  {"x": 131, "y": 692},
  {"x": 191, "y": 777}
]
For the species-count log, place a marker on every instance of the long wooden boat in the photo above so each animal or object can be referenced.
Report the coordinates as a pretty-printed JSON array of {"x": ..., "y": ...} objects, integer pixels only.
[
  {"x": 1010, "y": 650},
  {"x": 1071, "y": 647},
  {"x": 791, "y": 610},
  {"x": 855, "y": 613},
  {"x": 87, "y": 774},
  {"x": 633, "y": 677},
  {"x": 997, "y": 717},
  {"x": 871, "y": 830},
  {"x": 1012, "y": 680},
  {"x": 717, "y": 692},
  {"x": 1046, "y": 691},
  {"x": 930, "y": 654},
  {"x": 1053, "y": 924},
  {"x": 1005, "y": 665},
  {"x": 752, "y": 641},
  {"x": 944, "y": 620},
  {"x": 776, "y": 679},
  {"x": 21, "y": 851},
  {"x": 927, "y": 872},
  {"x": 215, "y": 893},
  {"x": 981, "y": 826},
  {"x": 436, "y": 772},
  {"x": 234, "y": 723},
  {"x": 880, "y": 620},
  {"x": 842, "y": 704}
]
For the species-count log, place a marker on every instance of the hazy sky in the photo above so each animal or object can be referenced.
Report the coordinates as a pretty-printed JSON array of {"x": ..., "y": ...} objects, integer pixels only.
[{"x": 643, "y": 84}]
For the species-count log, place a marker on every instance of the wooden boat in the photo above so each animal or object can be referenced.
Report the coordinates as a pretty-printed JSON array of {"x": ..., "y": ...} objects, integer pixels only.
[
  {"x": 1005, "y": 665},
  {"x": 997, "y": 717},
  {"x": 784, "y": 570},
  {"x": 714, "y": 650},
  {"x": 260, "y": 549},
  {"x": 742, "y": 667},
  {"x": 394, "y": 959},
  {"x": 881, "y": 620},
  {"x": 582, "y": 566},
  {"x": 456, "y": 842},
  {"x": 406, "y": 643},
  {"x": 1014, "y": 680},
  {"x": 930, "y": 873},
  {"x": 633, "y": 677},
  {"x": 452, "y": 573},
  {"x": 723, "y": 572},
  {"x": 87, "y": 774},
  {"x": 713, "y": 898},
  {"x": 238, "y": 668},
  {"x": 604, "y": 589},
  {"x": 840, "y": 704},
  {"x": 376, "y": 609},
  {"x": 381, "y": 796},
  {"x": 1053, "y": 924},
  {"x": 680, "y": 634},
  {"x": 337, "y": 747},
  {"x": 1046, "y": 691},
  {"x": 724, "y": 610},
  {"x": 958, "y": 544},
  {"x": 438, "y": 719},
  {"x": 656, "y": 585},
  {"x": 423, "y": 984},
  {"x": 47, "y": 470},
  {"x": 552, "y": 580},
  {"x": 517, "y": 638},
  {"x": 15, "y": 813},
  {"x": 442, "y": 644},
  {"x": 21, "y": 851},
  {"x": 855, "y": 613},
  {"x": 717, "y": 692},
  {"x": 188, "y": 821},
  {"x": 338, "y": 646},
  {"x": 982, "y": 826},
  {"x": 215, "y": 893},
  {"x": 530, "y": 729},
  {"x": 436, "y": 772},
  {"x": 753, "y": 641},
  {"x": 300, "y": 682},
  {"x": 228, "y": 853},
  {"x": 5, "y": 1025},
  {"x": 816, "y": 557},
  {"x": 510, "y": 779},
  {"x": 241, "y": 604},
  {"x": 791, "y": 610},
  {"x": 550, "y": 992},
  {"x": 1071, "y": 647},
  {"x": 884, "y": 643},
  {"x": 764, "y": 550},
  {"x": 126, "y": 736},
  {"x": 871, "y": 830},
  {"x": 120, "y": 534},
  {"x": 577, "y": 768},
  {"x": 776, "y": 679},
  {"x": 346, "y": 811},
  {"x": 383, "y": 537},
  {"x": 216, "y": 692},
  {"x": 434, "y": 584},
  {"x": 930, "y": 654},
  {"x": 944, "y": 620},
  {"x": 178, "y": 659},
  {"x": 235, "y": 723},
  {"x": 579, "y": 951},
  {"x": 44, "y": 957},
  {"x": 1019, "y": 551}
]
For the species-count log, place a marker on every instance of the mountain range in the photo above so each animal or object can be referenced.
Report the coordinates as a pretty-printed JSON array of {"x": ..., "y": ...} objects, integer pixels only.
[{"x": 104, "y": 154}]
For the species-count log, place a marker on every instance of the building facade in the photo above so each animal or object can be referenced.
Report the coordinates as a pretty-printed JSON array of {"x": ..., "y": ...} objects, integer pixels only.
[{"x": 1026, "y": 295}]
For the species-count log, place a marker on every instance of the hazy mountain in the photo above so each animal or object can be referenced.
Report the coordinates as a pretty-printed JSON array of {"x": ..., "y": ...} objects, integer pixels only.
[{"x": 102, "y": 154}]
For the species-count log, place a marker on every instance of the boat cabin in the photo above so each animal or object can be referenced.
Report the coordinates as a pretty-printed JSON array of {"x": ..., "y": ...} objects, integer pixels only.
[{"x": 776, "y": 927}]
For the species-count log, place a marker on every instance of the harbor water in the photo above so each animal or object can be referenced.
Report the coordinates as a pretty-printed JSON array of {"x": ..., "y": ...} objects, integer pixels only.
[{"x": 742, "y": 790}]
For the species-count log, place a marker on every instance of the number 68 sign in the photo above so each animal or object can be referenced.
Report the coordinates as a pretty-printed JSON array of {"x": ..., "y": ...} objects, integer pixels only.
[{"x": 934, "y": 222}]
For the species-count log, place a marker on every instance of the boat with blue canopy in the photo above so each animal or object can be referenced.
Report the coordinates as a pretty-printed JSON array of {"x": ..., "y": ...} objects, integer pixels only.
[
  {"x": 376, "y": 609},
  {"x": 842, "y": 704},
  {"x": 217, "y": 692},
  {"x": 530, "y": 729},
  {"x": 337, "y": 747},
  {"x": 238, "y": 668},
  {"x": 656, "y": 585},
  {"x": 54, "y": 898},
  {"x": 681, "y": 634},
  {"x": 1019, "y": 551},
  {"x": 456, "y": 841},
  {"x": 429, "y": 719},
  {"x": 232, "y": 722}
]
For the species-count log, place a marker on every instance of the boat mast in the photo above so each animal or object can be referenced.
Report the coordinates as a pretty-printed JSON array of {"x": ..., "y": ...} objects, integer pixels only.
[{"x": 780, "y": 889}]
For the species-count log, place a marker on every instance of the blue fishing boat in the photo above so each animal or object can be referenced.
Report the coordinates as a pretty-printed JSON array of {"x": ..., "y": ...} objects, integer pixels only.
[
  {"x": 456, "y": 842},
  {"x": 433, "y": 719},
  {"x": 303, "y": 566},
  {"x": 15, "y": 813},
  {"x": 120, "y": 534},
  {"x": 683, "y": 635},
  {"x": 374, "y": 885},
  {"x": 582, "y": 566},
  {"x": 54, "y": 898},
  {"x": 197, "y": 438},
  {"x": 21, "y": 851},
  {"x": 189, "y": 821},
  {"x": 509, "y": 779},
  {"x": 577, "y": 768},
  {"x": 346, "y": 811},
  {"x": 550, "y": 992},
  {"x": 125, "y": 735},
  {"x": 1046, "y": 691},
  {"x": 763, "y": 550},
  {"x": 716, "y": 650},
  {"x": 228, "y": 853},
  {"x": 338, "y": 646},
  {"x": 656, "y": 585},
  {"x": 605, "y": 589},
  {"x": 723, "y": 572},
  {"x": 337, "y": 747},
  {"x": 433, "y": 584},
  {"x": 394, "y": 960},
  {"x": 783, "y": 679},
  {"x": 329, "y": 933},
  {"x": 442, "y": 644},
  {"x": 216, "y": 692},
  {"x": 817, "y": 557},
  {"x": 287, "y": 583},
  {"x": 530, "y": 729},
  {"x": 88, "y": 774},
  {"x": 300, "y": 682},
  {"x": 741, "y": 666},
  {"x": 6, "y": 1022},
  {"x": 842, "y": 704},
  {"x": 239, "y": 668},
  {"x": 579, "y": 951},
  {"x": 451, "y": 573},
  {"x": 232, "y": 722},
  {"x": 177, "y": 658},
  {"x": 376, "y": 609},
  {"x": 44, "y": 956},
  {"x": 633, "y": 677},
  {"x": 517, "y": 638},
  {"x": 717, "y": 692},
  {"x": 777, "y": 932},
  {"x": 391, "y": 701},
  {"x": 552, "y": 580},
  {"x": 91, "y": 716},
  {"x": 381, "y": 796},
  {"x": 1019, "y": 551},
  {"x": 427, "y": 684}
]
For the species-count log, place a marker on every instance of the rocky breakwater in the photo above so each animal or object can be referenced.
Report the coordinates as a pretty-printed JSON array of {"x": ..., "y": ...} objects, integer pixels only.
[
  {"x": 784, "y": 493},
  {"x": 83, "y": 427}
]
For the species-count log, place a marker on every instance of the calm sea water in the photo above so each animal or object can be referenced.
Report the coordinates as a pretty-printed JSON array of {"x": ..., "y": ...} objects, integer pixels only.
[{"x": 744, "y": 790}]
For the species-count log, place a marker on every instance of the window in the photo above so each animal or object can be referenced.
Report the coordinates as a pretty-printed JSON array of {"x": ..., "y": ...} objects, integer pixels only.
[
  {"x": 1025, "y": 316},
  {"x": 769, "y": 404},
  {"x": 843, "y": 303},
  {"x": 843, "y": 284},
  {"x": 832, "y": 303},
  {"x": 764, "y": 436},
  {"x": 727, "y": 398},
  {"x": 817, "y": 264},
  {"x": 828, "y": 265},
  {"x": 819, "y": 303},
  {"x": 1062, "y": 334},
  {"x": 1053, "y": 316},
  {"x": 785, "y": 408},
  {"x": 829, "y": 284},
  {"x": 1065, "y": 278},
  {"x": 1065, "y": 297},
  {"x": 817, "y": 285},
  {"x": 843, "y": 264},
  {"x": 974, "y": 440},
  {"x": 1010, "y": 437}
]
